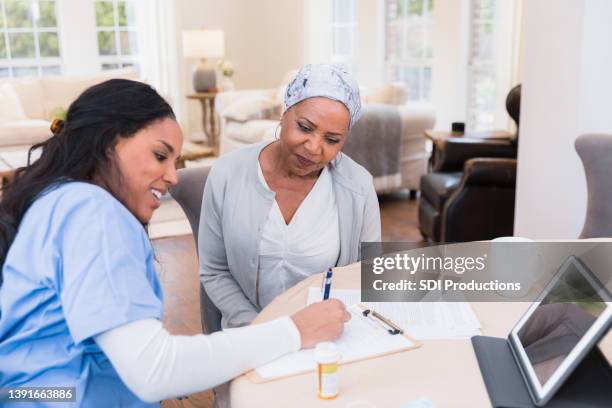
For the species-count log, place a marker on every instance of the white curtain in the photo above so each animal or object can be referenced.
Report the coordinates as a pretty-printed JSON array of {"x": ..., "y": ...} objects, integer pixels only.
[{"x": 159, "y": 47}]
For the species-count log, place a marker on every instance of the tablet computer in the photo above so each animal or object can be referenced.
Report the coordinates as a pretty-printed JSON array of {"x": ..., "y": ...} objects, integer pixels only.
[{"x": 569, "y": 317}]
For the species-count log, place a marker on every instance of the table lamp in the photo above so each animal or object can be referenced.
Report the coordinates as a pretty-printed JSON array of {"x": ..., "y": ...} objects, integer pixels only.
[{"x": 203, "y": 44}]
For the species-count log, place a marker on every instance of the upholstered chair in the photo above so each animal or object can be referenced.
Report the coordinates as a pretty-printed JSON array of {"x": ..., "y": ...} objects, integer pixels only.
[
  {"x": 188, "y": 193},
  {"x": 469, "y": 194},
  {"x": 595, "y": 151}
]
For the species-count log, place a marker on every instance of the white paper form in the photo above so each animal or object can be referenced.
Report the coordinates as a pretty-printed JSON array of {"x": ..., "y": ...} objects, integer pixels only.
[
  {"x": 420, "y": 320},
  {"x": 362, "y": 338}
]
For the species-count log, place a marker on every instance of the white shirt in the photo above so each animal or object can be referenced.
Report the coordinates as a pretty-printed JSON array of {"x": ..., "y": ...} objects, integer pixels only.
[{"x": 309, "y": 244}]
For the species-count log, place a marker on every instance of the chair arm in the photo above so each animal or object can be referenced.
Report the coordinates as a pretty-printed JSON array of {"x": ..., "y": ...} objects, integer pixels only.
[
  {"x": 489, "y": 171},
  {"x": 451, "y": 154},
  {"x": 416, "y": 118},
  {"x": 482, "y": 206}
]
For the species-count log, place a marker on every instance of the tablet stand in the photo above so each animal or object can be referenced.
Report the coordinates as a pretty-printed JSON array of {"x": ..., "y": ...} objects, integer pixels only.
[{"x": 589, "y": 385}]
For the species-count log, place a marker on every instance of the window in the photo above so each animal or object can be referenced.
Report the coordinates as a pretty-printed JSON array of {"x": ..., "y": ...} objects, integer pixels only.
[
  {"x": 408, "y": 45},
  {"x": 117, "y": 34},
  {"x": 482, "y": 69},
  {"x": 29, "y": 38},
  {"x": 344, "y": 32}
]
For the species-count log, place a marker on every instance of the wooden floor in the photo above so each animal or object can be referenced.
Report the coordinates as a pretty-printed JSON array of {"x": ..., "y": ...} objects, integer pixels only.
[{"x": 179, "y": 275}]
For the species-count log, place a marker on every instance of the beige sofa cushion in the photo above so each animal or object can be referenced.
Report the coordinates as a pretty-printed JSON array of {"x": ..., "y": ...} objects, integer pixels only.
[
  {"x": 40, "y": 96},
  {"x": 29, "y": 91},
  {"x": 252, "y": 107},
  {"x": 24, "y": 132},
  {"x": 394, "y": 93},
  {"x": 61, "y": 91},
  {"x": 10, "y": 105},
  {"x": 252, "y": 131}
]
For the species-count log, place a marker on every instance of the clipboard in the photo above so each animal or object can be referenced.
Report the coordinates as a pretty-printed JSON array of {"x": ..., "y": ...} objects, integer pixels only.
[{"x": 364, "y": 339}]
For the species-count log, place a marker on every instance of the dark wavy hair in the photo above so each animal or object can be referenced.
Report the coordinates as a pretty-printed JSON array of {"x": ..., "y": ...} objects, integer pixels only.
[{"x": 82, "y": 147}]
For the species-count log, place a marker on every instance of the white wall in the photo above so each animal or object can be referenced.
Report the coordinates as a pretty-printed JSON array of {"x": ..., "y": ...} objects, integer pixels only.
[
  {"x": 271, "y": 39},
  {"x": 566, "y": 92},
  {"x": 191, "y": 15},
  {"x": 78, "y": 40},
  {"x": 450, "y": 58},
  {"x": 370, "y": 67},
  {"x": 317, "y": 31},
  {"x": 264, "y": 39}
]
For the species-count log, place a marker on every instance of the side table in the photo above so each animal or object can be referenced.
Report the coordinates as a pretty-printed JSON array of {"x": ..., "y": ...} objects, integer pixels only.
[
  {"x": 13, "y": 157},
  {"x": 438, "y": 135},
  {"x": 192, "y": 151},
  {"x": 210, "y": 122}
]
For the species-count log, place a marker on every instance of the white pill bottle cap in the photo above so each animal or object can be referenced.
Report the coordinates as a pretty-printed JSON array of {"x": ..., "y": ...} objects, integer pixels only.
[{"x": 327, "y": 353}]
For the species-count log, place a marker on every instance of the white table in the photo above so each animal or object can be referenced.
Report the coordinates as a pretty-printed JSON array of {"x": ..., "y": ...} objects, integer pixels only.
[{"x": 445, "y": 371}]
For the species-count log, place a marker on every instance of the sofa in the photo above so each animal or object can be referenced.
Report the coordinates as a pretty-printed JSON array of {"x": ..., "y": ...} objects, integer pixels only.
[
  {"x": 251, "y": 116},
  {"x": 27, "y": 105}
]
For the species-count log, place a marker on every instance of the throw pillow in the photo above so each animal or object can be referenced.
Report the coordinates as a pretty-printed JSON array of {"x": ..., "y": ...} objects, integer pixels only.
[
  {"x": 10, "y": 105},
  {"x": 394, "y": 93},
  {"x": 252, "y": 108}
]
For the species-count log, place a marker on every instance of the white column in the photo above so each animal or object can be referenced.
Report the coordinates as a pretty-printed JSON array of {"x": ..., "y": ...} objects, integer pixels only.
[
  {"x": 450, "y": 59},
  {"x": 566, "y": 92},
  {"x": 370, "y": 43},
  {"x": 317, "y": 31},
  {"x": 505, "y": 26},
  {"x": 79, "y": 43}
]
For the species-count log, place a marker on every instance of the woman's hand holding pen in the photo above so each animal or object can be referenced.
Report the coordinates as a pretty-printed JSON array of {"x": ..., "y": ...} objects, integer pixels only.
[{"x": 321, "y": 321}]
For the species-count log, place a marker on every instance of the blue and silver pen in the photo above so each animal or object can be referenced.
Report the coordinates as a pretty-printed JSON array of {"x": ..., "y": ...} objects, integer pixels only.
[{"x": 328, "y": 282}]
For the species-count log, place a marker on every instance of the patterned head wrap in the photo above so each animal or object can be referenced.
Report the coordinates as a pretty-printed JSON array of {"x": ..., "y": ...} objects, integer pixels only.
[{"x": 329, "y": 81}]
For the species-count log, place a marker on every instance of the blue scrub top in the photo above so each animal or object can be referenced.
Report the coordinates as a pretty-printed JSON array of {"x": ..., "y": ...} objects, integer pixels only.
[{"x": 80, "y": 264}]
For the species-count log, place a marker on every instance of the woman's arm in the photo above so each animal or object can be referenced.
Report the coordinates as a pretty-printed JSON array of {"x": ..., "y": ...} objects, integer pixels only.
[
  {"x": 370, "y": 230},
  {"x": 220, "y": 285},
  {"x": 155, "y": 365}
]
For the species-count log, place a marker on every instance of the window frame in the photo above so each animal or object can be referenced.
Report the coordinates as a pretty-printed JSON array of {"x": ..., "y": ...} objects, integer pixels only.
[
  {"x": 118, "y": 59},
  {"x": 38, "y": 62},
  {"x": 349, "y": 60},
  {"x": 477, "y": 63},
  {"x": 402, "y": 60}
]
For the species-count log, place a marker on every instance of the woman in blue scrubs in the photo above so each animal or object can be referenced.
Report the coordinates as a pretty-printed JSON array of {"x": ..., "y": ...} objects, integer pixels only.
[{"x": 80, "y": 301}]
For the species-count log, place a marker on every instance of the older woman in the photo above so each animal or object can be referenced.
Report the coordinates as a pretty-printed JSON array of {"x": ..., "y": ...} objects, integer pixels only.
[
  {"x": 277, "y": 212},
  {"x": 81, "y": 303}
]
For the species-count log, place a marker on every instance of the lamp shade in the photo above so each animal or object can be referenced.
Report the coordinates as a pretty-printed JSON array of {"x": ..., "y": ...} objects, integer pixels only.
[{"x": 203, "y": 44}]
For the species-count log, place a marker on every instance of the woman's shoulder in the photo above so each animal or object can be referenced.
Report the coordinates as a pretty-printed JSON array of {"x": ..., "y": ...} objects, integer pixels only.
[
  {"x": 77, "y": 192},
  {"x": 351, "y": 174},
  {"x": 237, "y": 162},
  {"x": 73, "y": 207},
  {"x": 77, "y": 199}
]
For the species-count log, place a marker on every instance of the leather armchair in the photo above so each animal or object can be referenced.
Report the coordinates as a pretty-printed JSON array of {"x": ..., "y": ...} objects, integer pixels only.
[{"x": 469, "y": 195}]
